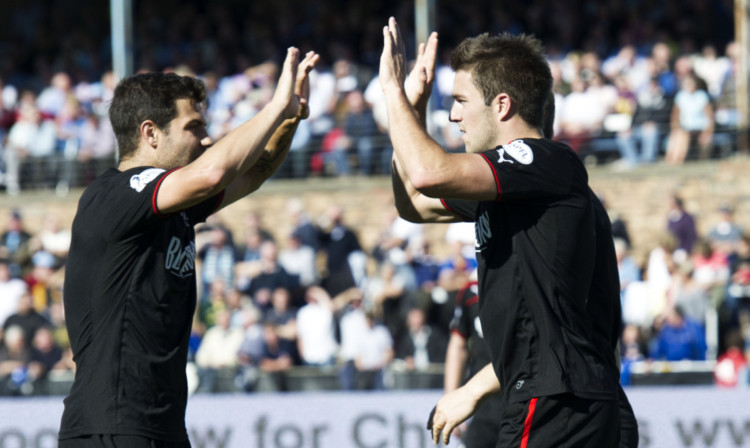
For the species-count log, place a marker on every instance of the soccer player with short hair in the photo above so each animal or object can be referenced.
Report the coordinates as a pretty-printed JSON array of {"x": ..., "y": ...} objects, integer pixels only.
[
  {"x": 130, "y": 287},
  {"x": 548, "y": 285}
]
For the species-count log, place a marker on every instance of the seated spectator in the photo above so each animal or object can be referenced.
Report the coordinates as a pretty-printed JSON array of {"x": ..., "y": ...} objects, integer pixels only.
[
  {"x": 27, "y": 318},
  {"x": 361, "y": 132},
  {"x": 15, "y": 244},
  {"x": 299, "y": 260},
  {"x": 14, "y": 360},
  {"x": 627, "y": 268},
  {"x": 218, "y": 351},
  {"x": 679, "y": 338},
  {"x": 687, "y": 293},
  {"x": 316, "y": 340},
  {"x": 420, "y": 345},
  {"x": 217, "y": 260},
  {"x": 11, "y": 292},
  {"x": 45, "y": 356},
  {"x": 30, "y": 150},
  {"x": 649, "y": 125},
  {"x": 692, "y": 119},
  {"x": 725, "y": 235},
  {"x": 277, "y": 357},
  {"x": 250, "y": 351},
  {"x": 284, "y": 319},
  {"x": 731, "y": 367},
  {"x": 374, "y": 353},
  {"x": 267, "y": 275}
]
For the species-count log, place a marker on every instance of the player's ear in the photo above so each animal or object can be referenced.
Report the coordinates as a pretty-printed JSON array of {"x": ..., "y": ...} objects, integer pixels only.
[
  {"x": 149, "y": 133},
  {"x": 503, "y": 106}
]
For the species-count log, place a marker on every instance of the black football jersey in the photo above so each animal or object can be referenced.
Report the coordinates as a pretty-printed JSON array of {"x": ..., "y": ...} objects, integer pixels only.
[
  {"x": 548, "y": 283},
  {"x": 130, "y": 295}
]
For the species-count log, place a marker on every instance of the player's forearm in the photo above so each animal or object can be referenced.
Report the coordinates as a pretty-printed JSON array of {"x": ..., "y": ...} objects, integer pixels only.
[
  {"x": 273, "y": 154},
  {"x": 422, "y": 159},
  {"x": 238, "y": 151},
  {"x": 455, "y": 362}
]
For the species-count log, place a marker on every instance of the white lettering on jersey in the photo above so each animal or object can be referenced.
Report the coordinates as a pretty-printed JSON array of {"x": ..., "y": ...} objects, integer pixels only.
[
  {"x": 478, "y": 327},
  {"x": 180, "y": 259},
  {"x": 520, "y": 151},
  {"x": 139, "y": 181},
  {"x": 482, "y": 231}
]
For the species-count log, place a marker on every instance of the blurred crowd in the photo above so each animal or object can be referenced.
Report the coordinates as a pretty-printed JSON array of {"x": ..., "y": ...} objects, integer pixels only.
[
  {"x": 644, "y": 80},
  {"x": 625, "y": 88},
  {"x": 315, "y": 297}
]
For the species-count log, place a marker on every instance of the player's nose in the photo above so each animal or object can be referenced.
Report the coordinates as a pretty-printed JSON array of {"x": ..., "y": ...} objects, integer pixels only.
[{"x": 206, "y": 141}]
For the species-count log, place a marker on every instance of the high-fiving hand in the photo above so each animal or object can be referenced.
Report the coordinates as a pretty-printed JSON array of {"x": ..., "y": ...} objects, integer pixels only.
[
  {"x": 293, "y": 88},
  {"x": 419, "y": 83},
  {"x": 302, "y": 87},
  {"x": 393, "y": 58}
]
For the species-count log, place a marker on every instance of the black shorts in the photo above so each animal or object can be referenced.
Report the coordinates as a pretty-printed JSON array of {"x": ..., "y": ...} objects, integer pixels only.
[
  {"x": 560, "y": 421},
  {"x": 485, "y": 424},
  {"x": 118, "y": 441}
]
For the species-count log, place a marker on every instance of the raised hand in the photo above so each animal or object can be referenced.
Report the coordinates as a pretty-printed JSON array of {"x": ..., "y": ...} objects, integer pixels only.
[
  {"x": 285, "y": 95},
  {"x": 393, "y": 58},
  {"x": 418, "y": 85},
  {"x": 302, "y": 87}
]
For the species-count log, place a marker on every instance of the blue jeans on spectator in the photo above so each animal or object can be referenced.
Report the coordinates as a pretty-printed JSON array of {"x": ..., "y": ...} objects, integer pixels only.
[{"x": 648, "y": 135}]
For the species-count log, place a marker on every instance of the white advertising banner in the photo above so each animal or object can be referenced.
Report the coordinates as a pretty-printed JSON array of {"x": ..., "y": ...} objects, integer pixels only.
[{"x": 669, "y": 417}]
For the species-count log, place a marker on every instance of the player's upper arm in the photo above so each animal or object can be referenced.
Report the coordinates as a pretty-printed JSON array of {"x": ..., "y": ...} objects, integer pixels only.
[
  {"x": 187, "y": 186},
  {"x": 457, "y": 176}
]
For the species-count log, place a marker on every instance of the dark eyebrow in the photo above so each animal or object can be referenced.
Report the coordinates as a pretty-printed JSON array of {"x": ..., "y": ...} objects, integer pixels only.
[{"x": 195, "y": 122}]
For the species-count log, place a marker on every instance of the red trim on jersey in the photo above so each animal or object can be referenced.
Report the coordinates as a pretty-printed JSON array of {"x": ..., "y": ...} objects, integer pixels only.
[
  {"x": 472, "y": 300},
  {"x": 456, "y": 331},
  {"x": 527, "y": 423},
  {"x": 466, "y": 218},
  {"x": 494, "y": 173},
  {"x": 156, "y": 190}
]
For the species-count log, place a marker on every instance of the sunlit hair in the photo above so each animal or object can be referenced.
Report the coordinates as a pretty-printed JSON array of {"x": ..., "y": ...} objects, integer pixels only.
[{"x": 510, "y": 64}]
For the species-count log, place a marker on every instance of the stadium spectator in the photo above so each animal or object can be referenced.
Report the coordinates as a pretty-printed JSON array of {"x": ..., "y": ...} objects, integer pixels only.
[
  {"x": 217, "y": 258},
  {"x": 353, "y": 328},
  {"x": 30, "y": 150},
  {"x": 27, "y": 319},
  {"x": 11, "y": 292},
  {"x": 374, "y": 353},
  {"x": 277, "y": 357},
  {"x": 299, "y": 260},
  {"x": 45, "y": 356},
  {"x": 678, "y": 337},
  {"x": 649, "y": 125},
  {"x": 692, "y": 119},
  {"x": 681, "y": 225},
  {"x": 316, "y": 341},
  {"x": 15, "y": 244},
  {"x": 345, "y": 267},
  {"x": 217, "y": 352},
  {"x": 14, "y": 360},
  {"x": 725, "y": 235},
  {"x": 420, "y": 344}
]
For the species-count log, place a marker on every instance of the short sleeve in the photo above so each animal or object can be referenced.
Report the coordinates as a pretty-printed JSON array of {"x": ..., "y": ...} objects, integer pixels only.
[
  {"x": 130, "y": 201},
  {"x": 530, "y": 169}
]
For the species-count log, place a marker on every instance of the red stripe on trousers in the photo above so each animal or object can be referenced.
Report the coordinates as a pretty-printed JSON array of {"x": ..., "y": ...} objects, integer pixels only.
[{"x": 527, "y": 423}]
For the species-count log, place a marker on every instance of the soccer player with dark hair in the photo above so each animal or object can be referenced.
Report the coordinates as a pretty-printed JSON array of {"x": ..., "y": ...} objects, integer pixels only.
[
  {"x": 547, "y": 273},
  {"x": 130, "y": 287}
]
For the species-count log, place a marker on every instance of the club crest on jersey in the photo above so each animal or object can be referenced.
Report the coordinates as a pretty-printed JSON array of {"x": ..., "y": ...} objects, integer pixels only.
[
  {"x": 519, "y": 151},
  {"x": 139, "y": 181}
]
